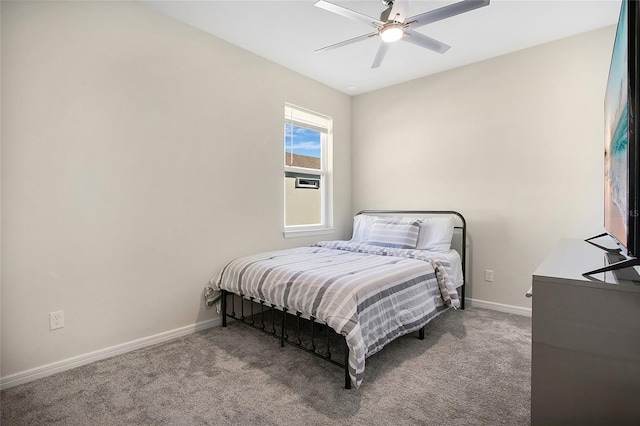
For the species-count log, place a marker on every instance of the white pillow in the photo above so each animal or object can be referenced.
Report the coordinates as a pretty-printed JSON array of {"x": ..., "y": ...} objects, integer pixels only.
[
  {"x": 362, "y": 225},
  {"x": 394, "y": 233},
  {"x": 436, "y": 234}
]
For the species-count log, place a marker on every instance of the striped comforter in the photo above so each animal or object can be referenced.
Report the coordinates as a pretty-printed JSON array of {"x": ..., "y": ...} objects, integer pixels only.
[{"x": 369, "y": 294}]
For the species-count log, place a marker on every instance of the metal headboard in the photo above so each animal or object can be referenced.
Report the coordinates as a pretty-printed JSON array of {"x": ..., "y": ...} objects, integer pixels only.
[{"x": 458, "y": 242}]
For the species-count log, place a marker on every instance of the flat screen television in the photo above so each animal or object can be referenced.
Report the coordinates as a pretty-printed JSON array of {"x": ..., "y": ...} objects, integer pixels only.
[{"x": 622, "y": 165}]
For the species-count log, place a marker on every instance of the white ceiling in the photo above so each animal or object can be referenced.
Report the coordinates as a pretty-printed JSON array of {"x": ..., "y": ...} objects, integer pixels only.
[{"x": 288, "y": 32}]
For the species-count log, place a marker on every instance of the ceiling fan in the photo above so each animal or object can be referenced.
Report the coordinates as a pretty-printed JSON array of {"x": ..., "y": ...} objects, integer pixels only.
[{"x": 394, "y": 24}]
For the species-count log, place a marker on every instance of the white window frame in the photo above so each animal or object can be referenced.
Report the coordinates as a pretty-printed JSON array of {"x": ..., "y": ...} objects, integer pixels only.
[{"x": 297, "y": 115}]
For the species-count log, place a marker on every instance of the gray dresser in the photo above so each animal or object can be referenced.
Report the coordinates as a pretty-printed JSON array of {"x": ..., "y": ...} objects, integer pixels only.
[{"x": 586, "y": 341}]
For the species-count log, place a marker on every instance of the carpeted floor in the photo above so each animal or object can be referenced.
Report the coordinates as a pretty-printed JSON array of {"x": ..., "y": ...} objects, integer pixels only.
[{"x": 473, "y": 368}]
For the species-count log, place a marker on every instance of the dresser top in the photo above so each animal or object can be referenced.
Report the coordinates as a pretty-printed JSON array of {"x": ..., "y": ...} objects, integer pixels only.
[{"x": 570, "y": 258}]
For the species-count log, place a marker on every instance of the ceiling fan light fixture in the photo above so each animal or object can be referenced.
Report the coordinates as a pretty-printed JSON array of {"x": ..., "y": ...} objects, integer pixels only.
[
  {"x": 395, "y": 22},
  {"x": 392, "y": 32}
]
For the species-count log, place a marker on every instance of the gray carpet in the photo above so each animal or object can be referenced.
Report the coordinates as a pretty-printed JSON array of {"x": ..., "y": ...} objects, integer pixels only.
[{"x": 473, "y": 368}]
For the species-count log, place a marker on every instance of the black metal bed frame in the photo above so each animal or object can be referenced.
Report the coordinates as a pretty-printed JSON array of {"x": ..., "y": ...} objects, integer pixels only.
[
  {"x": 298, "y": 316},
  {"x": 282, "y": 335}
]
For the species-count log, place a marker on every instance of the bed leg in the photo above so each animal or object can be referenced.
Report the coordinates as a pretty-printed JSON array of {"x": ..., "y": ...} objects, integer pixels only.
[
  {"x": 421, "y": 333},
  {"x": 347, "y": 378},
  {"x": 233, "y": 306},
  {"x": 242, "y": 307},
  {"x": 253, "y": 322},
  {"x": 273, "y": 319},
  {"x": 224, "y": 308},
  {"x": 283, "y": 333},
  {"x": 462, "y": 297},
  {"x": 298, "y": 313},
  {"x": 313, "y": 334}
]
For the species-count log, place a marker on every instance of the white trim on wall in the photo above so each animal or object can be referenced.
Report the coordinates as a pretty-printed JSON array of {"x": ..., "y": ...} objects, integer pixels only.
[
  {"x": 510, "y": 309},
  {"x": 80, "y": 360},
  {"x": 77, "y": 361}
]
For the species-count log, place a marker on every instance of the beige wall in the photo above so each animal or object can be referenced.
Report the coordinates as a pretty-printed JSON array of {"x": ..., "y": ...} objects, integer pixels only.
[
  {"x": 129, "y": 168},
  {"x": 131, "y": 144},
  {"x": 514, "y": 143}
]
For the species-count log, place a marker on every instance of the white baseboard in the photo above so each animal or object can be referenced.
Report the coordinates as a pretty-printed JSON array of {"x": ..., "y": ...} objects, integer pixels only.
[
  {"x": 77, "y": 361},
  {"x": 510, "y": 309}
]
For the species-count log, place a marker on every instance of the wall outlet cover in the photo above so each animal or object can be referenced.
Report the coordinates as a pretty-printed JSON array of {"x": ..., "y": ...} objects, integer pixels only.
[
  {"x": 488, "y": 275},
  {"x": 56, "y": 320}
]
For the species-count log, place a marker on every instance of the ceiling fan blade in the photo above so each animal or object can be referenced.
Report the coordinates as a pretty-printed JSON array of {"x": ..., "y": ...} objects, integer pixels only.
[
  {"x": 347, "y": 42},
  {"x": 348, "y": 13},
  {"x": 382, "y": 51},
  {"x": 424, "y": 41},
  {"x": 445, "y": 12},
  {"x": 400, "y": 11}
]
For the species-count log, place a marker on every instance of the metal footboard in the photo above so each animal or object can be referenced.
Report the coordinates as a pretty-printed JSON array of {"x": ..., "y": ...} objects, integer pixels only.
[{"x": 285, "y": 321}]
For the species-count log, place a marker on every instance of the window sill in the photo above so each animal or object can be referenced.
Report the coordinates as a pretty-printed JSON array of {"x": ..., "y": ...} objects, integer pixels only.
[{"x": 307, "y": 232}]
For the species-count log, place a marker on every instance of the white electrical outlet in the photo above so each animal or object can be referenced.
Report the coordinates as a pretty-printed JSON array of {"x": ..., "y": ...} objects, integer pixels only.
[
  {"x": 56, "y": 320},
  {"x": 488, "y": 275}
]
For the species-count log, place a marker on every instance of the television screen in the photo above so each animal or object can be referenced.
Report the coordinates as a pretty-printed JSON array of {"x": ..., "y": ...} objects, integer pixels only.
[
  {"x": 616, "y": 152},
  {"x": 621, "y": 153}
]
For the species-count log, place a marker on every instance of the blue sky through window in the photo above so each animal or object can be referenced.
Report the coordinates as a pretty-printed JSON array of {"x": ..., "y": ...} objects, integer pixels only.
[{"x": 305, "y": 141}]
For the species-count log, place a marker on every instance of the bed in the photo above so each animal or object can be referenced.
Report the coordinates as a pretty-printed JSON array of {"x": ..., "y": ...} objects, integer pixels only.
[{"x": 400, "y": 270}]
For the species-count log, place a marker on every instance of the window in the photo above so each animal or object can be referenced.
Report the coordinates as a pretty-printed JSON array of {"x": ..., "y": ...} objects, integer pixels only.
[{"x": 307, "y": 166}]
